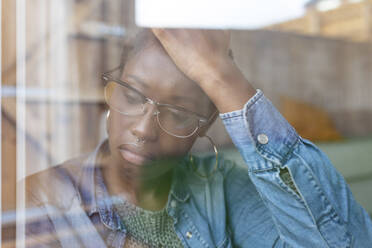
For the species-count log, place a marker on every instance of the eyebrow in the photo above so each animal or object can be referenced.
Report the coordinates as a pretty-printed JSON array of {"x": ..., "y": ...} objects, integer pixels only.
[
  {"x": 138, "y": 80},
  {"x": 173, "y": 97},
  {"x": 184, "y": 98}
]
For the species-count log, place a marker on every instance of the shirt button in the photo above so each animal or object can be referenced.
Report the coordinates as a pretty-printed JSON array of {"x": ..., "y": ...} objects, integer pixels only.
[
  {"x": 188, "y": 235},
  {"x": 173, "y": 203},
  {"x": 263, "y": 139}
]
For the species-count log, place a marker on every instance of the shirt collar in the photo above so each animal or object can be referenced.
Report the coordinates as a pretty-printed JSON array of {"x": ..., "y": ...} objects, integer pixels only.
[
  {"x": 179, "y": 189},
  {"x": 93, "y": 190}
]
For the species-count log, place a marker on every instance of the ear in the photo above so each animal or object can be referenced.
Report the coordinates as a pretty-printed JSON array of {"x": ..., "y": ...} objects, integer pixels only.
[{"x": 203, "y": 130}]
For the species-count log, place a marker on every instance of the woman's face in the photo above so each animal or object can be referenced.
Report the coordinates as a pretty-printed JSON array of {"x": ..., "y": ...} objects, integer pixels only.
[{"x": 152, "y": 72}]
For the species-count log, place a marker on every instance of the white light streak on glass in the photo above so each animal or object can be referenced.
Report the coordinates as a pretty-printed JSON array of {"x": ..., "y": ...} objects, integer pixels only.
[{"x": 20, "y": 124}]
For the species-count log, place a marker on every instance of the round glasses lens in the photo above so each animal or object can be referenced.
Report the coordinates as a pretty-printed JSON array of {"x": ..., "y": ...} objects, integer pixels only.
[
  {"x": 123, "y": 99},
  {"x": 177, "y": 122}
]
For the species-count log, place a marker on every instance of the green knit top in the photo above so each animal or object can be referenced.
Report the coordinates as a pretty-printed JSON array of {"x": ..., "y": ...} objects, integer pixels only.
[{"x": 146, "y": 228}]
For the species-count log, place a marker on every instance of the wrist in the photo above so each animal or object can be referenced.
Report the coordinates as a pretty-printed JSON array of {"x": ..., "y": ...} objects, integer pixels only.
[
  {"x": 219, "y": 72},
  {"x": 228, "y": 82},
  {"x": 224, "y": 73}
]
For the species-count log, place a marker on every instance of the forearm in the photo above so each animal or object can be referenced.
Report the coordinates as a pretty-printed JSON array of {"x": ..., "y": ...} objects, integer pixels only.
[{"x": 226, "y": 81}]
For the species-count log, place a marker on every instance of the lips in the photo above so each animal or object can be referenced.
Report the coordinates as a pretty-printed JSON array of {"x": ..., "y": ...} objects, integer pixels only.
[{"x": 135, "y": 156}]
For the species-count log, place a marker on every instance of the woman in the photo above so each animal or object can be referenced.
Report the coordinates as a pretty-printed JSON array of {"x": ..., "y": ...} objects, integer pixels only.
[{"x": 141, "y": 189}]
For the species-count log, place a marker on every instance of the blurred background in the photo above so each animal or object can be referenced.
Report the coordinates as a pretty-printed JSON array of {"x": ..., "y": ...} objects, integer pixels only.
[{"x": 314, "y": 64}]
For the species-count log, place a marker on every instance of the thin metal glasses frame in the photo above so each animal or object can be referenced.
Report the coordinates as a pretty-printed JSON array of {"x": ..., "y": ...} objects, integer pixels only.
[{"x": 202, "y": 121}]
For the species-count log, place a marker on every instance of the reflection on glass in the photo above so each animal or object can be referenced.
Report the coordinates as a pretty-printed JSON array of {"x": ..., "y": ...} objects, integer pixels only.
[{"x": 132, "y": 157}]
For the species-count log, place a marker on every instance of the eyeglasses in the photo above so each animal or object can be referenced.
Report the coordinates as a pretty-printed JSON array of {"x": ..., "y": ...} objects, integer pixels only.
[{"x": 127, "y": 100}]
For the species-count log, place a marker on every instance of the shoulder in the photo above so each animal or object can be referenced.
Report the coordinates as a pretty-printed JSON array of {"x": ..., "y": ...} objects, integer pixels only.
[{"x": 56, "y": 185}]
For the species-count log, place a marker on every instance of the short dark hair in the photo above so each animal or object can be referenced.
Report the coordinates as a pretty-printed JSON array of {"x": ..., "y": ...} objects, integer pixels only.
[{"x": 135, "y": 44}]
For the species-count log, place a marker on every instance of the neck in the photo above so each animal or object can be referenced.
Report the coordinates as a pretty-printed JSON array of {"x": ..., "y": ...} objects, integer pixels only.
[{"x": 147, "y": 187}]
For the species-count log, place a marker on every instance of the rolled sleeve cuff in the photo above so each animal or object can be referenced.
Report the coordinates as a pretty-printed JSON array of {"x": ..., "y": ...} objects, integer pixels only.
[{"x": 260, "y": 125}]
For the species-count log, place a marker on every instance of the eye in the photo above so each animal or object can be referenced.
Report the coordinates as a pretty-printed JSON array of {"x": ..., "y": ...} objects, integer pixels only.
[
  {"x": 178, "y": 114},
  {"x": 132, "y": 98},
  {"x": 129, "y": 96}
]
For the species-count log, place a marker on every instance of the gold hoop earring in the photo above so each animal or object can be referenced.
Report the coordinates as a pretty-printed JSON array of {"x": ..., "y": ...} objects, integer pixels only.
[
  {"x": 107, "y": 115},
  {"x": 107, "y": 120},
  {"x": 193, "y": 167}
]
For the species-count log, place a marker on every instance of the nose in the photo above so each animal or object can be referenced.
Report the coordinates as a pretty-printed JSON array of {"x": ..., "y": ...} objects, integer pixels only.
[{"x": 146, "y": 127}]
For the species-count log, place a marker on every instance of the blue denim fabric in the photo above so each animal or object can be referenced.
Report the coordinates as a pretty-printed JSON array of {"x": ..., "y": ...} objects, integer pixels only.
[
  {"x": 320, "y": 213},
  {"x": 250, "y": 205}
]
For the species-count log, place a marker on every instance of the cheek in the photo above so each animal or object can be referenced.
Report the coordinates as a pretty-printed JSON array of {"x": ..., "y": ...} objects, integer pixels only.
[
  {"x": 117, "y": 126},
  {"x": 113, "y": 124}
]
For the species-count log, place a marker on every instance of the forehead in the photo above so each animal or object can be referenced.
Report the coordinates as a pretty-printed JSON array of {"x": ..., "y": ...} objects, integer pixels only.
[{"x": 153, "y": 72}]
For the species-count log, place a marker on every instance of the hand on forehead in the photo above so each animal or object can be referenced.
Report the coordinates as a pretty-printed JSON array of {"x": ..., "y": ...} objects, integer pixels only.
[{"x": 150, "y": 69}]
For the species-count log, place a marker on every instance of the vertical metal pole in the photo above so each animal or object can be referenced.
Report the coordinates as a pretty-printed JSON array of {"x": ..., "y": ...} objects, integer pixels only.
[{"x": 20, "y": 124}]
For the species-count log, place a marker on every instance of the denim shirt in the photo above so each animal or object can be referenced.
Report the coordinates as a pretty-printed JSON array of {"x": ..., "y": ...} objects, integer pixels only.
[{"x": 287, "y": 194}]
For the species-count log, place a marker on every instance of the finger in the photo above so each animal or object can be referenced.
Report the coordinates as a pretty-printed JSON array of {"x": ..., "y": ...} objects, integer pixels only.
[
  {"x": 171, "y": 39},
  {"x": 162, "y": 33},
  {"x": 163, "y": 36},
  {"x": 159, "y": 32}
]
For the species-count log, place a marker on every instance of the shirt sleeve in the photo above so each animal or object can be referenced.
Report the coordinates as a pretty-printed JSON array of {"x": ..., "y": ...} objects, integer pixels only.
[{"x": 309, "y": 201}]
